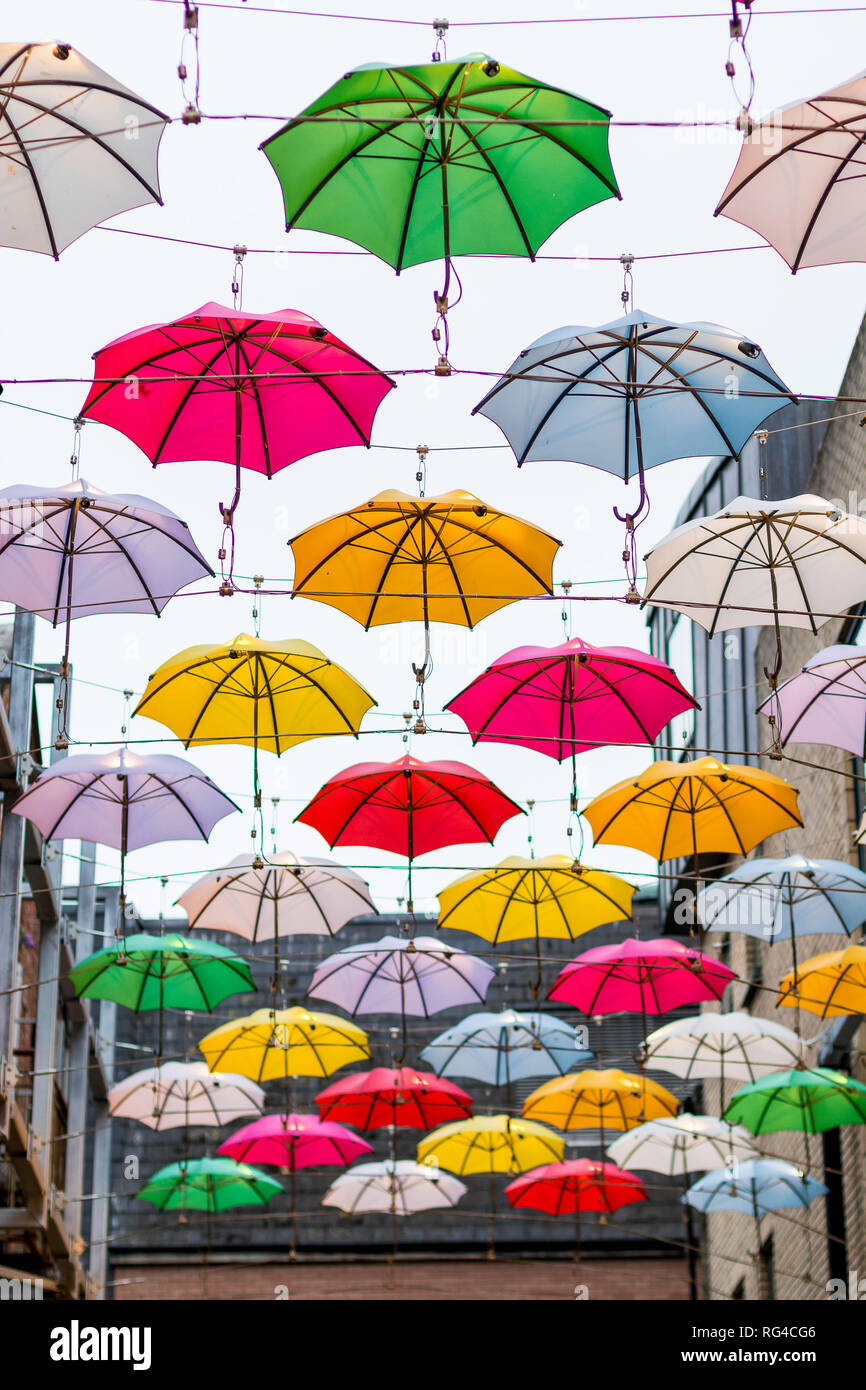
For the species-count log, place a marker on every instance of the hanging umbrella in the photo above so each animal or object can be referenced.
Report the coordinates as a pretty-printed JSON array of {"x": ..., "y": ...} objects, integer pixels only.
[
  {"x": 501, "y": 1048},
  {"x": 392, "y": 1096},
  {"x": 677, "y": 1145},
  {"x": 409, "y": 807},
  {"x": 602, "y": 1100},
  {"x": 792, "y": 563},
  {"x": 258, "y": 391},
  {"x": 731, "y": 1046},
  {"x": 798, "y": 179},
  {"x": 144, "y": 972},
  {"x": 399, "y": 1186},
  {"x": 519, "y": 898},
  {"x": 828, "y": 985},
  {"x": 208, "y": 1184},
  {"x": 580, "y": 1184},
  {"x": 289, "y": 896},
  {"x": 781, "y": 899},
  {"x": 811, "y": 1099},
  {"x": 693, "y": 807},
  {"x": 491, "y": 1144},
  {"x": 182, "y": 1094},
  {"x": 571, "y": 698},
  {"x": 77, "y": 146},
  {"x": 646, "y": 977},
  {"x": 754, "y": 1187},
  {"x": 274, "y": 1044},
  {"x": 825, "y": 702},
  {"x": 294, "y": 1141}
]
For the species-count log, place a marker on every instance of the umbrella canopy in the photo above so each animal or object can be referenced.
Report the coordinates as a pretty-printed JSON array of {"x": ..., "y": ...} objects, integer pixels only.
[
  {"x": 398, "y": 558},
  {"x": 78, "y": 147},
  {"x": 273, "y": 1044},
  {"x": 777, "y": 899},
  {"x": 811, "y": 1100},
  {"x": 183, "y": 1094},
  {"x": 267, "y": 695},
  {"x": 825, "y": 702},
  {"x": 208, "y": 1184},
  {"x": 693, "y": 807},
  {"x": 734, "y": 1046},
  {"x": 394, "y": 975},
  {"x": 518, "y": 898},
  {"x": 123, "y": 799},
  {"x": 581, "y": 1184},
  {"x": 395, "y": 1185},
  {"x": 72, "y": 551},
  {"x": 633, "y": 393},
  {"x": 294, "y": 1141},
  {"x": 289, "y": 896},
  {"x": 571, "y": 698},
  {"x": 792, "y": 563},
  {"x": 680, "y": 1144},
  {"x": 443, "y": 159},
  {"x": 754, "y": 1187},
  {"x": 501, "y": 1048},
  {"x": 393, "y": 1096},
  {"x": 162, "y": 972},
  {"x": 491, "y": 1144},
  {"x": 828, "y": 985},
  {"x": 648, "y": 977},
  {"x": 797, "y": 179},
  {"x": 603, "y": 1100}
]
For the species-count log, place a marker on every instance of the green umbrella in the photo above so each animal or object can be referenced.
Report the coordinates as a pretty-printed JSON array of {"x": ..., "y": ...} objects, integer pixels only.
[
  {"x": 810, "y": 1100},
  {"x": 449, "y": 158},
  {"x": 208, "y": 1184},
  {"x": 156, "y": 972}
]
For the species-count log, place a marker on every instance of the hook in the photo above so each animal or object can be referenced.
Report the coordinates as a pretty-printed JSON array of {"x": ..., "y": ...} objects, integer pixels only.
[
  {"x": 422, "y": 451},
  {"x": 440, "y": 28},
  {"x": 191, "y": 114}
]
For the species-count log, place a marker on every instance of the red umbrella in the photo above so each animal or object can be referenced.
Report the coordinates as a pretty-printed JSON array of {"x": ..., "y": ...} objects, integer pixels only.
[
  {"x": 393, "y": 1096},
  {"x": 256, "y": 390},
  {"x": 409, "y": 807},
  {"x": 581, "y": 1184}
]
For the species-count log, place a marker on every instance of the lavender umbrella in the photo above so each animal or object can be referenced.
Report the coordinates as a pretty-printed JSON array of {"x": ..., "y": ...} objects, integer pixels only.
[
  {"x": 123, "y": 800},
  {"x": 825, "y": 702}
]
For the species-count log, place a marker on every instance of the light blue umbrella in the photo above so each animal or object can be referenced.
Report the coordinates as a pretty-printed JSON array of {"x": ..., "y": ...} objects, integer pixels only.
[
  {"x": 782, "y": 899},
  {"x": 505, "y": 1047},
  {"x": 755, "y": 1187}
]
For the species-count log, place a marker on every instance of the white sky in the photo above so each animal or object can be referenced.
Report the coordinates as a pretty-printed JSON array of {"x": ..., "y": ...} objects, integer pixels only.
[{"x": 218, "y": 187}]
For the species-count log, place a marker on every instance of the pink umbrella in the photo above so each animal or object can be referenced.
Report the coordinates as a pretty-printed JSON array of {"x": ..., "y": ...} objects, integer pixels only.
[
  {"x": 571, "y": 698},
  {"x": 646, "y": 977}
]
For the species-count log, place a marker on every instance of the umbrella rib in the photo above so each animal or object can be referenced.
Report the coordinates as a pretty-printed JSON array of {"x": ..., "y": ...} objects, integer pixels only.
[
  {"x": 816, "y": 132},
  {"x": 425, "y": 150},
  {"x": 36, "y": 184}
]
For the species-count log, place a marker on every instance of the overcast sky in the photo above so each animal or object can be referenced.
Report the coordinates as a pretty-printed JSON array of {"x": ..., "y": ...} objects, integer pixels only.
[{"x": 218, "y": 187}]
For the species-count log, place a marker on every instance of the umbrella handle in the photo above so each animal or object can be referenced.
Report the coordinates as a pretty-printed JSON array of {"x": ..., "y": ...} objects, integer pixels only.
[{"x": 632, "y": 520}]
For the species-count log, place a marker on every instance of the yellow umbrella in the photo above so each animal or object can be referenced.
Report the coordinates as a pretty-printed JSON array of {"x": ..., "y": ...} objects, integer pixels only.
[
  {"x": 694, "y": 807},
  {"x": 602, "y": 1100},
  {"x": 828, "y": 985},
  {"x": 491, "y": 1144},
  {"x": 279, "y": 1043},
  {"x": 399, "y": 558}
]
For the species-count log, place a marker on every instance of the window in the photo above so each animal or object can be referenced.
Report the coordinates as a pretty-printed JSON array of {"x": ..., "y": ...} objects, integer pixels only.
[{"x": 680, "y": 655}]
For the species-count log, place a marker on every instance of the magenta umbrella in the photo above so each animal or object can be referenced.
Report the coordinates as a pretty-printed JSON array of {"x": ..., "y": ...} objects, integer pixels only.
[
  {"x": 571, "y": 698},
  {"x": 646, "y": 977}
]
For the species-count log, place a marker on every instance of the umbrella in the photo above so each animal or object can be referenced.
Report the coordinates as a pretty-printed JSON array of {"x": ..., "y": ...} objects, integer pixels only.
[
  {"x": 602, "y": 1100},
  {"x": 72, "y": 551},
  {"x": 731, "y": 1046},
  {"x": 571, "y": 698},
  {"x": 578, "y": 1185},
  {"x": 811, "y": 1099},
  {"x": 78, "y": 147},
  {"x": 184, "y": 1093},
  {"x": 646, "y": 977},
  {"x": 294, "y": 1141},
  {"x": 501, "y": 1048},
  {"x": 280, "y": 1043},
  {"x": 677, "y": 1145},
  {"x": 392, "y": 1096},
  {"x": 825, "y": 702},
  {"x": 409, "y": 807},
  {"x": 828, "y": 985},
  {"x": 258, "y": 391},
  {"x": 755, "y": 1187},
  {"x": 798, "y": 179},
  {"x": 634, "y": 393},
  {"x": 125, "y": 800},
  {"x": 208, "y": 1184},
  {"x": 781, "y": 899},
  {"x": 267, "y": 695},
  {"x": 398, "y": 1186},
  {"x": 693, "y": 807}
]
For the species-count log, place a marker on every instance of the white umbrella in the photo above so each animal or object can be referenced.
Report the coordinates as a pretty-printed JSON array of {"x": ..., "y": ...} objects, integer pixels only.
[
  {"x": 732, "y": 1047},
  {"x": 77, "y": 146},
  {"x": 791, "y": 563},
  {"x": 681, "y": 1144},
  {"x": 287, "y": 896},
  {"x": 399, "y": 1186},
  {"x": 798, "y": 181},
  {"x": 184, "y": 1093},
  {"x": 400, "y": 976}
]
